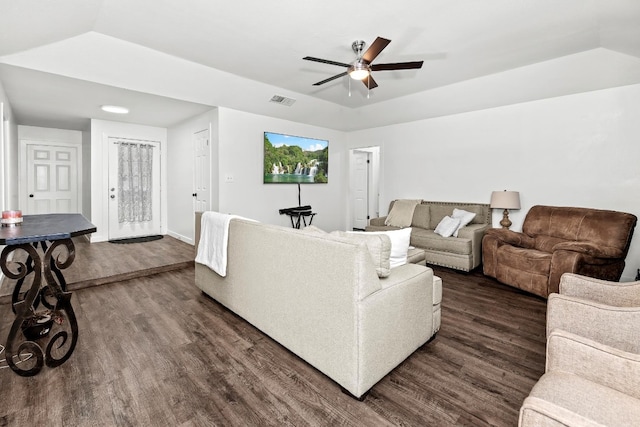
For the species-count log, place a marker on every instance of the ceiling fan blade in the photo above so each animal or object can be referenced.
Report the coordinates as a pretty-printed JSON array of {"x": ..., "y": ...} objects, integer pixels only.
[
  {"x": 375, "y": 49},
  {"x": 397, "y": 66},
  {"x": 326, "y": 61},
  {"x": 337, "y": 76},
  {"x": 369, "y": 82}
]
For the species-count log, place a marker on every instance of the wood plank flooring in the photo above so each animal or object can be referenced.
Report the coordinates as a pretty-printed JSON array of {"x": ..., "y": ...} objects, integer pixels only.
[
  {"x": 105, "y": 262},
  {"x": 155, "y": 351}
]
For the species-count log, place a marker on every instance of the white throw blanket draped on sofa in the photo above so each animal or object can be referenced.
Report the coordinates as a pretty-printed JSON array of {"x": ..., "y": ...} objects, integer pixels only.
[{"x": 214, "y": 238}]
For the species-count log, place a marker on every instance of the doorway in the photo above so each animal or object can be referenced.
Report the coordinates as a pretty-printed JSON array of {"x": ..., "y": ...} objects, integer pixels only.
[
  {"x": 364, "y": 186},
  {"x": 50, "y": 178},
  {"x": 134, "y": 188},
  {"x": 201, "y": 171}
]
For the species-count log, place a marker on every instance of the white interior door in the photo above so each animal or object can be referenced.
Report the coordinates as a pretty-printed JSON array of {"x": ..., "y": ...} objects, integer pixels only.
[
  {"x": 202, "y": 171},
  {"x": 123, "y": 229},
  {"x": 360, "y": 189},
  {"x": 52, "y": 179}
]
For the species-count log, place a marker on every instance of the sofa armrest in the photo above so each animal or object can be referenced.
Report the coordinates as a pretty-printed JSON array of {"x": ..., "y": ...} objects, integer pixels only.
[
  {"x": 378, "y": 221},
  {"x": 590, "y": 249},
  {"x": 594, "y": 361},
  {"x": 475, "y": 233},
  {"x": 620, "y": 294},
  {"x": 617, "y": 327},
  {"x": 394, "y": 321},
  {"x": 511, "y": 237}
]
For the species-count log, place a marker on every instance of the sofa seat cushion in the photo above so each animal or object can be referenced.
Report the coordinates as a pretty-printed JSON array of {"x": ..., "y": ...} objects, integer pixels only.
[
  {"x": 416, "y": 255},
  {"x": 547, "y": 243},
  {"x": 526, "y": 260},
  {"x": 527, "y": 269},
  {"x": 429, "y": 240},
  {"x": 571, "y": 400}
]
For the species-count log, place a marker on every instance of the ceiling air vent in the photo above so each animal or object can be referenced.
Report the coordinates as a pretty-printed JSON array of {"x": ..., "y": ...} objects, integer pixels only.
[{"x": 282, "y": 100}]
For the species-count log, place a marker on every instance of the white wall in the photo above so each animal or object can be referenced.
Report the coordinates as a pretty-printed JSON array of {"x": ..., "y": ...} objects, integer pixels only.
[
  {"x": 9, "y": 155},
  {"x": 241, "y": 146},
  {"x": 101, "y": 130},
  {"x": 576, "y": 150},
  {"x": 180, "y": 168}
]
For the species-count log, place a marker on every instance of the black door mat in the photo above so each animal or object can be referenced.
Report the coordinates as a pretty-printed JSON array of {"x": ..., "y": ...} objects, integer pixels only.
[{"x": 137, "y": 239}]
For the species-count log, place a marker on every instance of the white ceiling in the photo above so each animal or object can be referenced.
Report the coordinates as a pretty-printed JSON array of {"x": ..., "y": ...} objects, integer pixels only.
[{"x": 170, "y": 60}]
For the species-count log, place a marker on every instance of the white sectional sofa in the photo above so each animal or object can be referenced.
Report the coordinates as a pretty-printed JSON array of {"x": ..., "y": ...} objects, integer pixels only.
[{"x": 320, "y": 297}]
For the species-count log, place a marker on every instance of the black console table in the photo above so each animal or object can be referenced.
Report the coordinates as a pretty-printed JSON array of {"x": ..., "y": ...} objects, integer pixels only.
[
  {"x": 297, "y": 214},
  {"x": 45, "y": 329}
]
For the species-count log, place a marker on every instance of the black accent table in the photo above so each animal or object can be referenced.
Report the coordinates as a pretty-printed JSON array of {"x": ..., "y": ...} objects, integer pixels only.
[
  {"x": 45, "y": 329},
  {"x": 298, "y": 213}
]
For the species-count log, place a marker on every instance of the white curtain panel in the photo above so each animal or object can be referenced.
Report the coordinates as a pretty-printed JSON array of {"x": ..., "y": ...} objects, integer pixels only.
[{"x": 134, "y": 182}]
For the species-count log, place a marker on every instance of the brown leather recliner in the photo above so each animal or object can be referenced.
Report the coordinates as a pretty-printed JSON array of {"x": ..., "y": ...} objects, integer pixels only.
[{"x": 557, "y": 240}]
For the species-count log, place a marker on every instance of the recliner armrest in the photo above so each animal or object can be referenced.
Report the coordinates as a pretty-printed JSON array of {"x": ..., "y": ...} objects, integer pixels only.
[
  {"x": 511, "y": 237},
  {"x": 590, "y": 249}
]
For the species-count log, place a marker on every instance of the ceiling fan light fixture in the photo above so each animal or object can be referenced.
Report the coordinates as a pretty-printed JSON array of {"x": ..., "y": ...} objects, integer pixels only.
[{"x": 359, "y": 71}]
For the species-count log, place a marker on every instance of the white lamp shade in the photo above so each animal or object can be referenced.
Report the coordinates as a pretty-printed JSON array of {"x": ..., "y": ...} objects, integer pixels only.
[{"x": 505, "y": 200}]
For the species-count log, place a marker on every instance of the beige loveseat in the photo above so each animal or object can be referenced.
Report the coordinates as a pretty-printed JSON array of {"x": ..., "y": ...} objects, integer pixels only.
[
  {"x": 463, "y": 252},
  {"x": 320, "y": 297}
]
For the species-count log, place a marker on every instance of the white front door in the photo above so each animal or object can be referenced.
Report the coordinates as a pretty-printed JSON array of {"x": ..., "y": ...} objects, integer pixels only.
[
  {"x": 360, "y": 189},
  {"x": 52, "y": 179},
  {"x": 202, "y": 171},
  {"x": 121, "y": 228}
]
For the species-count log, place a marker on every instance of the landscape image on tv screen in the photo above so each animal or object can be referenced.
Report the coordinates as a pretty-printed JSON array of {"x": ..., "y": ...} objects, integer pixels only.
[{"x": 292, "y": 159}]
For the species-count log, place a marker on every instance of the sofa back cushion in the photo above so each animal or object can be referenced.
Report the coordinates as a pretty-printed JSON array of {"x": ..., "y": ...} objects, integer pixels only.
[
  {"x": 378, "y": 245},
  {"x": 601, "y": 227},
  {"x": 428, "y": 214},
  {"x": 438, "y": 212},
  {"x": 421, "y": 217}
]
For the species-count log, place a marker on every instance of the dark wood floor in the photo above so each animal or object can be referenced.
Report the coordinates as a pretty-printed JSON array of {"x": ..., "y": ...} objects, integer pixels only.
[
  {"x": 155, "y": 351},
  {"x": 105, "y": 262}
]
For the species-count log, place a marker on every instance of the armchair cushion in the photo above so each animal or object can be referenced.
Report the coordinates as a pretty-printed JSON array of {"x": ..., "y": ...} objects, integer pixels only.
[
  {"x": 593, "y": 361},
  {"x": 619, "y": 294}
]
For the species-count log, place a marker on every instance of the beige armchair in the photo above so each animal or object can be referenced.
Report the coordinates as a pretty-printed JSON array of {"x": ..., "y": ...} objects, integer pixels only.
[{"x": 592, "y": 375}]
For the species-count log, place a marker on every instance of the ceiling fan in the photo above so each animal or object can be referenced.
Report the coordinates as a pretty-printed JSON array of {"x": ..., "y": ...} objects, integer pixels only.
[{"x": 361, "y": 68}]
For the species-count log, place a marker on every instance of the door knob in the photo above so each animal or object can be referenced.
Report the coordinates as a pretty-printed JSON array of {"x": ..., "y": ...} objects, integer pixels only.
[
  {"x": 195, "y": 194},
  {"x": 30, "y": 195},
  {"x": 113, "y": 196}
]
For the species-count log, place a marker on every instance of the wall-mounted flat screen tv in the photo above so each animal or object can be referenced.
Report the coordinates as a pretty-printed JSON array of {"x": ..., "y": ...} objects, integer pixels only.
[{"x": 292, "y": 159}]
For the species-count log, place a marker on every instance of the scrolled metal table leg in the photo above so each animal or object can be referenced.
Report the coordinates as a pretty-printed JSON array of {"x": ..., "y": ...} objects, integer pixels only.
[{"x": 56, "y": 328}]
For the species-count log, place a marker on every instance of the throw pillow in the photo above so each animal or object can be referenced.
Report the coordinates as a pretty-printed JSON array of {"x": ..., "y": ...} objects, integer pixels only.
[
  {"x": 464, "y": 217},
  {"x": 399, "y": 245},
  {"x": 401, "y": 213},
  {"x": 379, "y": 248},
  {"x": 447, "y": 226}
]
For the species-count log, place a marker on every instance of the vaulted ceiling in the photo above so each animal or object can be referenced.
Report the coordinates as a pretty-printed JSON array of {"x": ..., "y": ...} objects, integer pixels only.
[{"x": 169, "y": 60}]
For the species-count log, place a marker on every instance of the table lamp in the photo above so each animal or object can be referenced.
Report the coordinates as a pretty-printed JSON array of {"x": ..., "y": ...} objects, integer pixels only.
[{"x": 505, "y": 200}]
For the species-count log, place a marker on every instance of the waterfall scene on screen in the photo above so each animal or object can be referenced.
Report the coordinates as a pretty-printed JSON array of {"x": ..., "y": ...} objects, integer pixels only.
[{"x": 295, "y": 160}]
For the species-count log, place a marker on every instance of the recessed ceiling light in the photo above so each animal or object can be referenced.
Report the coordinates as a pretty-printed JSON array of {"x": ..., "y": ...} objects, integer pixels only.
[{"x": 115, "y": 109}]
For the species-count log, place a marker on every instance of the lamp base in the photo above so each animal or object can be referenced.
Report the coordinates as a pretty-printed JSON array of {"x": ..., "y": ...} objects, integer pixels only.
[{"x": 506, "y": 222}]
